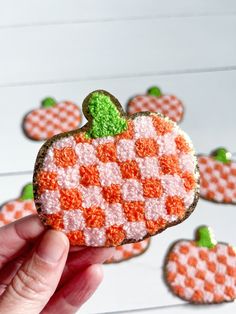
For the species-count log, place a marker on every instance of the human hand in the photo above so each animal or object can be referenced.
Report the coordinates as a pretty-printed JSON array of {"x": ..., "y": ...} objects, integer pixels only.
[{"x": 40, "y": 274}]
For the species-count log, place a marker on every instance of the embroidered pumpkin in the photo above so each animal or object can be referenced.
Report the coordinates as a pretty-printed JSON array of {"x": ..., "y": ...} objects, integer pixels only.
[
  {"x": 155, "y": 101},
  {"x": 53, "y": 118},
  {"x": 128, "y": 251},
  {"x": 21, "y": 207},
  {"x": 218, "y": 177},
  {"x": 202, "y": 271},
  {"x": 118, "y": 179}
]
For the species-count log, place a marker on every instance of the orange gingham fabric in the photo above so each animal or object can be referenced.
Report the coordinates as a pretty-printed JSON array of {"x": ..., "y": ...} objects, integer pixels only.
[
  {"x": 16, "y": 209},
  {"x": 168, "y": 105},
  {"x": 106, "y": 191},
  {"x": 43, "y": 123},
  {"x": 217, "y": 180},
  {"x": 202, "y": 275},
  {"x": 127, "y": 251}
]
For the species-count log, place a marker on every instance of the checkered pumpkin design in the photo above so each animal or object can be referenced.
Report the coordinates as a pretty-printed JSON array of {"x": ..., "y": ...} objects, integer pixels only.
[
  {"x": 202, "y": 274},
  {"x": 128, "y": 251},
  {"x": 21, "y": 207},
  {"x": 112, "y": 190},
  {"x": 53, "y": 118},
  {"x": 217, "y": 179},
  {"x": 168, "y": 105}
]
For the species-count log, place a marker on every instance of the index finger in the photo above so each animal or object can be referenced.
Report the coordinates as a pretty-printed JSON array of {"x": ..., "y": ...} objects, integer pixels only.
[{"x": 15, "y": 236}]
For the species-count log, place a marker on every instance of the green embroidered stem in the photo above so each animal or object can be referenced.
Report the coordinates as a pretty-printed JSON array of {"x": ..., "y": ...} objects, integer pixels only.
[
  {"x": 205, "y": 237},
  {"x": 107, "y": 120},
  {"x": 154, "y": 91},
  {"x": 27, "y": 193},
  {"x": 49, "y": 102},
  {"x": 222, "y": 154}
]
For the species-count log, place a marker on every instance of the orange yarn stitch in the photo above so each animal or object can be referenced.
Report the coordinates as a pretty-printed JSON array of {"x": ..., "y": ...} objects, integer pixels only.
[
  {"x": 70, "y": 199},
  {"x": 134, "y": 211},
  {"x": 94, "y": 217},
  {"x": 65, "y": 157},
  {"x": 146, "y": 147}
]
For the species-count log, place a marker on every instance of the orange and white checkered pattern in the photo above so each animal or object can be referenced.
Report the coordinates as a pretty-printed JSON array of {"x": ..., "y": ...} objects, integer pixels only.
[
  {"x": 167, "y": 105},
  {"x": 16, "y": 209},
  {"x": 128, "y": 251},
  {"x": 43, "y": 123},
  {"x": 114, "y": 190},
  {"x": 202, "y": 275},
  {"x": 217, "y": 180}
]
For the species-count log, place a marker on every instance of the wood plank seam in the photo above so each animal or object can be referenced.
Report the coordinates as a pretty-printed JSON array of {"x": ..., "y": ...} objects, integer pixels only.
[
  {"x": 115, "y": 19},
  {"x": 122, "y": 76}
]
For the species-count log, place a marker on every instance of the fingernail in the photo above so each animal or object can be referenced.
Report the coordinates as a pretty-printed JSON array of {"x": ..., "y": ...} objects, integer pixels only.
[{"x": 52, "y": 246}]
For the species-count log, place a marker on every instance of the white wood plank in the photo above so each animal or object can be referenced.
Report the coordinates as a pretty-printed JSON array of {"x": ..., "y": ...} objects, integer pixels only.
[
  {"x": 11, "y": 186},
  {"x": 34, "y": 12},
  {"x": 228, "y": 308},
  {"x": 116, "y": 49},
  {"x": 208, "y": 97}
]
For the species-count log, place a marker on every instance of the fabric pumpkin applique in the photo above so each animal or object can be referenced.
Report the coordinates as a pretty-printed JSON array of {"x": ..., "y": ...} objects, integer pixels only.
[
  {"x": 155, "y": 101},
  {"x": 202, "y": 271},
  {"x": 218, "y": 176},
  {"x": 128, "y": 251},
  {"x": 117, "y": 180},
  {"x": 18, "y": 208},
  {"x": 53, "y": 118}
]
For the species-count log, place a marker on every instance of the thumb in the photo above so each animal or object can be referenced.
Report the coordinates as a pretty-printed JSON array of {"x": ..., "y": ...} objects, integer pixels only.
[{"x": 37, "y": 279}]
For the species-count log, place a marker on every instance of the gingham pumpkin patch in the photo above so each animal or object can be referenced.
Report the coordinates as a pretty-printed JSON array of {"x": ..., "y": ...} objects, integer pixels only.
[
  {"x": 128, "y": 251},
  {"x": 218, "y": 177},
  {"x": 18, "y": 208},
  {"x": 155, "y": 101},
  {"x": 202, "y": 271},
  {"x": 117, "y": 180},
  {"x": 53, "y": 118}
]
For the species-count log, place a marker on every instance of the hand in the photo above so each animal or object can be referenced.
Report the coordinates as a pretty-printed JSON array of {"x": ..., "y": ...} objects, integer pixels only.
[{"x": 40, "y": 274}]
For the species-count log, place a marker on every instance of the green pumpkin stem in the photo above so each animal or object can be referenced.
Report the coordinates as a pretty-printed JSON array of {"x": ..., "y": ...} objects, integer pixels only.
[
  {"x": 154, "y": 91},
  {"x": 205, "y": 237},
  {"x": 49, "y": 102},
  {"x": 27, "y": 192},
  {"x": 222, "y": 154},
  {"x": 106, "y": 118}
]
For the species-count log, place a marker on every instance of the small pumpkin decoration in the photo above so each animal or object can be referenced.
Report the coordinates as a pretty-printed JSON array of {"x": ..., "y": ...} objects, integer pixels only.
[
  {"x": 18, "y": 208},
  {"x": 202, "y": 271},
  {"x": 218, "y": 176},
  {"x": 128, "y": 251},
  {"x": 118, "y": 179},
  {"x": 51, "y": 119},
  {"x": 155, "y": 101}
]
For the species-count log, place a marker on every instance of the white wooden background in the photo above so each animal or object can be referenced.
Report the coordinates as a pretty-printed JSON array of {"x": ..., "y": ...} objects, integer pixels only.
[{"x": 68, "y": 48}]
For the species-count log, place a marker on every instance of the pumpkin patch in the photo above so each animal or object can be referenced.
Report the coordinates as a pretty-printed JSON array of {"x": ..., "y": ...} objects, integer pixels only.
[
  {"x": 202, "y": 271},
  {"x": 218, "y": 177},
  {"x": 155, "y": 101},
  {"x": 21, "y": 207},
  {"x": 128, "y": 251},
  {"x": 117, "y": 180},
  {"x": 53, "y": 118}
]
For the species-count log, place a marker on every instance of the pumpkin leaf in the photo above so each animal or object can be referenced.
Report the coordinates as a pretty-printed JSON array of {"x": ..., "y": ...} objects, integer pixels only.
[
  {"x": 107, "y": 120},
  {"x": 154, "y": 91},
  {"x": 49, "y": 102},
  {"x": 222, "y": 154},
  {"x": 27, "y": 192},
  {"x": 205, "y": 237}
]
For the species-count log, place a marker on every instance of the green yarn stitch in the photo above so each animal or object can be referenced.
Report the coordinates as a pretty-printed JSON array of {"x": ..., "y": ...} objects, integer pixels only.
[
  {"x": 205, "y": 237},
  {"x": 154, "y": 91},
  {"x": 27, "y": 193},
  {"x": 107, "y": 120},
  {"x": 221, "y": 154},
  {"x": 49, "y": 102}
]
